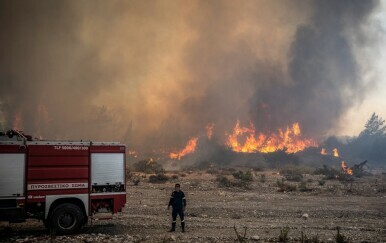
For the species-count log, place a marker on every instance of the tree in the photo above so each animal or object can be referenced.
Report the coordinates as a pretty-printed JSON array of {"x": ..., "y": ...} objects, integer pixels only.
[{"x": 374, "y": 126}]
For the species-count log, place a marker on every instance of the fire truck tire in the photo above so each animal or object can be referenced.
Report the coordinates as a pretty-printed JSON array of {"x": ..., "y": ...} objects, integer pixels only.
[
  {"x": 46, "y": 223},
  {"x": 66, "y": 219}
]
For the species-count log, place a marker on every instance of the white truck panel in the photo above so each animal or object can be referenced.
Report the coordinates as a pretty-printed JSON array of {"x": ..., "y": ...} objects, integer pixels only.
[
  {"x": 12, "y": 172},
  {"x": 107, "y": 168}
]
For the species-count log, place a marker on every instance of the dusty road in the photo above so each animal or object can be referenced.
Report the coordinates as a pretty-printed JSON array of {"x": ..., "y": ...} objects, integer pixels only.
[{"x": 212, "y": 212}]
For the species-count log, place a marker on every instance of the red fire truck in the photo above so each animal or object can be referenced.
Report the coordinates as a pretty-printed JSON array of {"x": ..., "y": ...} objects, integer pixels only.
[{"x": 62, "y": 183}]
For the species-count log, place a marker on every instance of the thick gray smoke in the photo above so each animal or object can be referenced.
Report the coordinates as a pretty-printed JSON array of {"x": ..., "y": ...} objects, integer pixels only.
[
  {"x": 47, "y": 74},
  {"x": 156, "y": 73},
  {"x": 325, "y": 78}
]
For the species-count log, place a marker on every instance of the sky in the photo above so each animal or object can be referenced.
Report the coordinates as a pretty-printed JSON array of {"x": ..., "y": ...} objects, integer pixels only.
[{"x": 155, "y": 73}]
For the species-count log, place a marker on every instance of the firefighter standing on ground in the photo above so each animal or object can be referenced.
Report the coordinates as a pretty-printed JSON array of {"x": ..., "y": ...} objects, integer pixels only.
[{"x": 178, "y": 203}]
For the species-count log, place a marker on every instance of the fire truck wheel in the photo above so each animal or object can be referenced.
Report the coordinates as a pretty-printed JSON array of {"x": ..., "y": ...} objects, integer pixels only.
[{"x": 66, "y": 219}]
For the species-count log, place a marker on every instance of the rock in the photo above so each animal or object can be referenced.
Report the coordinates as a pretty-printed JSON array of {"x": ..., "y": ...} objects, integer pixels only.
[
  {"x": 305, "y": 216},
  {"x": 173, "y": 238},
  {"x": 255, "y": 238}
]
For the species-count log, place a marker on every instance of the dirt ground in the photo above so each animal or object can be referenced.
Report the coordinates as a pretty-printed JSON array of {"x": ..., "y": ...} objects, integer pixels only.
[{"x": 359, "y": 209}]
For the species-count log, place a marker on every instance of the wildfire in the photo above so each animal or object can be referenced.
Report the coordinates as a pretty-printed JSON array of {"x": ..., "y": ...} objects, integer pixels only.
[
  {"x": 150, "y": 161},
  {"x": 189, "y": 148},
  {"x": 289, "y": 139},
  {"x": 345, "y": 169},
  {"x": 336, "y": 153},
  {"x": 323, "y": 151},
  {"x": 209, "y": 130},
  {"x": 132, "y": 153}
]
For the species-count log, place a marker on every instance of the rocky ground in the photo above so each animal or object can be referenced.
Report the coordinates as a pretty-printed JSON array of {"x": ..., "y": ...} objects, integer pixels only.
[{"x": 213, "y": 212}]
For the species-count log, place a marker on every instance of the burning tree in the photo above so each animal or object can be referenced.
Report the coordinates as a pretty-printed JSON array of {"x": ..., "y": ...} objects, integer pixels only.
[
  {"x": 368, "y": 145},
  {"x": 189, "y": 148}
]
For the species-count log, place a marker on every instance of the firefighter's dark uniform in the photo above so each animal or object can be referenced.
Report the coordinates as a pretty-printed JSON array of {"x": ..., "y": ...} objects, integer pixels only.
[{"x": 178, "y": 203}]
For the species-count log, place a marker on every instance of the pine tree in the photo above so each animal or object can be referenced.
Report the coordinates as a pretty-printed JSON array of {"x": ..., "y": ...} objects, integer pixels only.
[{"x": 374, "y": 126}]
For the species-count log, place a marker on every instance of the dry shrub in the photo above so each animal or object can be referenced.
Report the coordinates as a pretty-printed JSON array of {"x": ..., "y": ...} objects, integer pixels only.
[
  {"x": 263, "y": 178},
  {"x": 294, "y": 172},
  {"x": 223, "y": 181},
  {"x": 340, "y": 238},
  {"x": 305, "y": 239},
  {"x": 148, "y": 166},
  {"x": 182, "y": 174},
  {"x": 243, "y": 176},
  {"x": 283, "y": 237},
  {"x": 303, "y": 187},
  {"x": 329, "y": 173},
  {"x": 285, "y": 187},
  {"x": 158, "y": 178},
  {"x": 213, "y": 171}
]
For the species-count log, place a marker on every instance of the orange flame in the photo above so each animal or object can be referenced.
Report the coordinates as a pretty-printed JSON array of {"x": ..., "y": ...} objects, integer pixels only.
[
  {"x": 345, "y": 169},
  {"x": 323, "y": 151},
  {"x": 336, "y": 153},
  {"x": 209, "y": 130},
  {"x": 132, "y": 153},
  {"x": 189, "y": 148},
  {"x": 150, "y": 161},
  {"x": 289, "y": 139}
]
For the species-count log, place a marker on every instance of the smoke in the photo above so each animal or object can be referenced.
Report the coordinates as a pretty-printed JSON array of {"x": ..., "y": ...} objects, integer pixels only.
[
  {"x": 156, "y": 73},
  {"x": 324, "y": 73}
]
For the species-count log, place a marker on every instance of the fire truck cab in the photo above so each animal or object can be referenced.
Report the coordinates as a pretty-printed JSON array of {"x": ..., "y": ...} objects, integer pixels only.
[{"x": 62, "y": 183}]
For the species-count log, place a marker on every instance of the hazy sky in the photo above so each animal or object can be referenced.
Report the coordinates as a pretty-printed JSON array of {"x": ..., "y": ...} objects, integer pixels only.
[{"x": 375, "y": 100}]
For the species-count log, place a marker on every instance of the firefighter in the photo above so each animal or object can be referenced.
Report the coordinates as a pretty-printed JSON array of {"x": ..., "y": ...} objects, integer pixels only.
[{"x": 178, "y": 203}]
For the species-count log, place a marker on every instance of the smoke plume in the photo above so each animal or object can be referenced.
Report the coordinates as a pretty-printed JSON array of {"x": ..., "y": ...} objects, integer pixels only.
[{"x": 154, "y": 73}]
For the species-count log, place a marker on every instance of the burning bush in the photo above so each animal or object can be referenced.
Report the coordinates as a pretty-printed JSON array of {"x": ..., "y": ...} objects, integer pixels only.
[{"x": 148, "y": 166}]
